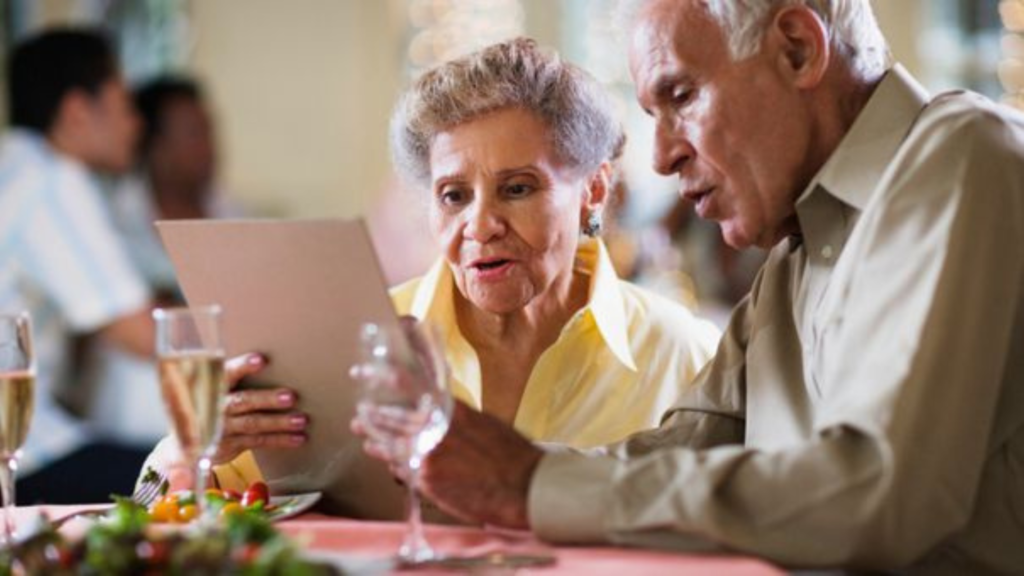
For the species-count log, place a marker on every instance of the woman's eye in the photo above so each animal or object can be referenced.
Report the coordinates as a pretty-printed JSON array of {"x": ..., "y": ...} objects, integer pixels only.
[
  {"x": 451, "y": 197},
  {"x": 518, "y": 190}
]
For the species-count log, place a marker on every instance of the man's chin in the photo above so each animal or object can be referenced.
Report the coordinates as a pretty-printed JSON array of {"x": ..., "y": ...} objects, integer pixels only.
[{"x": 736, "y": 238}]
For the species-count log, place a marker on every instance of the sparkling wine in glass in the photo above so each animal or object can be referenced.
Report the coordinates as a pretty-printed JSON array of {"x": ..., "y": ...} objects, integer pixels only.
[
  {"x": 405, "y": 407},
  {"x": 17, "y": 401},
  {"x": 193, "y": 382}
]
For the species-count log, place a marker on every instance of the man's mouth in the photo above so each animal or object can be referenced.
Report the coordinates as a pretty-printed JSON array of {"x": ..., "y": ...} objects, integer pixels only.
[{"x": 699, "y": 198}]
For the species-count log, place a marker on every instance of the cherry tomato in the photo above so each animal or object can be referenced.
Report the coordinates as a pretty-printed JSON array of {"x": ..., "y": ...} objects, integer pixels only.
[
  {"x": 153, "y": 552},
  {"x": 187, "y": 513},
  {"x": 232, "y": 495},
  {"x": 256, "y": 492},
  {"x": 164, "y": 510},
  {"x": 246, "y": 554},
  {"x": 231, "y": 508}
]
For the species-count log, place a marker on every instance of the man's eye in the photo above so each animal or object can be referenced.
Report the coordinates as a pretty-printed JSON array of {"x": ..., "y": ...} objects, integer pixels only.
[{"x": 681, "y": 95}]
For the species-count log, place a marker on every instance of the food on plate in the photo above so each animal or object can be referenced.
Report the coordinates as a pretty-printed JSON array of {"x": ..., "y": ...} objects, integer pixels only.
[
  {"x": 180, "y": 507},
  {"x": 125, "y": 541}
]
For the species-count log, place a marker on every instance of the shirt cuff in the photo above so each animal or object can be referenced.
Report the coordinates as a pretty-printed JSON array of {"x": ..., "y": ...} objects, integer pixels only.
[{"x": 570, "y": 497}]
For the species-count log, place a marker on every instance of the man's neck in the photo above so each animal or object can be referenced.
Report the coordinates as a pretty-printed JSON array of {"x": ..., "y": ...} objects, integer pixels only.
[{"x": 66, "y": 144}]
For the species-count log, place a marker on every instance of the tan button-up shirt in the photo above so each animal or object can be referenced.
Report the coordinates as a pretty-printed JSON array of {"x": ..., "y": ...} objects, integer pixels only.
[{"x": 866, "y": 405}]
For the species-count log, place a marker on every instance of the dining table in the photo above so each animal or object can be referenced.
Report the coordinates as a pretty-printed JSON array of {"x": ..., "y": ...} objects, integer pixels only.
[{"x": 368, "y": 547}]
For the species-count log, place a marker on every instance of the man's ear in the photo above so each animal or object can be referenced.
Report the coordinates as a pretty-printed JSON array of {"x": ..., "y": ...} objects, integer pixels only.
[
  {"x": 802, "y": 43},
  {"x": 74, "y": 108}
]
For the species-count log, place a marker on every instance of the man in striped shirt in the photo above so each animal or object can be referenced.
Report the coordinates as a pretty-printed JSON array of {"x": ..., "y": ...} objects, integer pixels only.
[{"x": 60, "y": 257}]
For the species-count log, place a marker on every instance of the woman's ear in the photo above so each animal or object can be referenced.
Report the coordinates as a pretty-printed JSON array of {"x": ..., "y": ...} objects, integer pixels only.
[
  {"x": 598, "y": 188},
  {"x": 799, "y": 36}
]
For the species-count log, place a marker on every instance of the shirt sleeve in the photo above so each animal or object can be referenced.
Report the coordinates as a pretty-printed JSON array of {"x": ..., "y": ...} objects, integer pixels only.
[
  {"x": 913, "y": 375},
  {"x": 71, "y": 248}
]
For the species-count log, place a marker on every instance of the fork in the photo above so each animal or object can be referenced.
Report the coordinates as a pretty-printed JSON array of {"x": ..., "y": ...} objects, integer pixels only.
[{"x": 153, "y": 485}]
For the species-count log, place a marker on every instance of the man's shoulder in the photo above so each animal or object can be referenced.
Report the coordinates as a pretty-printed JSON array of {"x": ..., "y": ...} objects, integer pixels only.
[{"x": 963, "y": 114}]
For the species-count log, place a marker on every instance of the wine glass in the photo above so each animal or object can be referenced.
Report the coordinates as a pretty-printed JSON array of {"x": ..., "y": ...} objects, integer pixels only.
[
  {"x": 193, "y": 381},
  {"x": 405, "y": 407},
  {"x": 17, "y": 401}
]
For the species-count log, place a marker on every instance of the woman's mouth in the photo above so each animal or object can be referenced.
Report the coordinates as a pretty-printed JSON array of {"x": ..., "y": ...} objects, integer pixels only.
[{"x": 492, "y": 269}]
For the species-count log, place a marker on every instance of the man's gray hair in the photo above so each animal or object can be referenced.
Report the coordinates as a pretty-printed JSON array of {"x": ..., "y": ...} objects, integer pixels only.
[
  {"x": 583, "y": 127},
  {"x": 851, "y": 25}
]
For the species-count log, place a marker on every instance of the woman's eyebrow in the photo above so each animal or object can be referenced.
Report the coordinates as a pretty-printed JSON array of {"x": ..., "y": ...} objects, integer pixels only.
[{"x": 528, "y": 169}]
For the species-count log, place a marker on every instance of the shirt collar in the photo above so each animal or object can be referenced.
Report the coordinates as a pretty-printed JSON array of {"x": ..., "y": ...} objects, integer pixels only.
[
  {"x": 605, "y": 305},
  {"x": 853, "y": 171},
  {"x": 434, "y": 298}
]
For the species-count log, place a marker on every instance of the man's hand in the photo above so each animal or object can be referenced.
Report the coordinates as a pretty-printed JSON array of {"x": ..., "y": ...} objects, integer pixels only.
[
  {"x": 480, "y": 472},
  {"x": 258, "y": 418}
]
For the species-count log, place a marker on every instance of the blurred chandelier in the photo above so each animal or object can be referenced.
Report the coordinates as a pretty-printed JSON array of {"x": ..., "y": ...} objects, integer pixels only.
[
  {"x": 445, "y": 29},
  {"x": 1011, "y": 68}
]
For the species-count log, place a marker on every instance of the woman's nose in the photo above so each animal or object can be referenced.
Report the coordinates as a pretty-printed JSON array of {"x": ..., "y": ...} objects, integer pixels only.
[{"x": 484, "y": 222}]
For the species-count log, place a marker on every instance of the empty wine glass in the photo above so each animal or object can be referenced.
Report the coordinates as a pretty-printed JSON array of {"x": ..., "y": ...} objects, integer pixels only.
[
  {"x": 405, "y": 407},
  {"x": 193, "y": 381},
  {"x": 17, "y": 401}
]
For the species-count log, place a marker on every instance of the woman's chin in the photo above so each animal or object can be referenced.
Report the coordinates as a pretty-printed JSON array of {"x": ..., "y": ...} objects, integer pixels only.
[{"x": 498, "y": 301}]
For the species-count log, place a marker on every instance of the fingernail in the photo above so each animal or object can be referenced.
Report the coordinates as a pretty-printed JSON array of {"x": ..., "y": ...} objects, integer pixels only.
[
  {"x": 285, "y": 398},
  {"x": 297, "y": 421},
  {"x": 255, "y": 359},
  {"x": 297, "y": 440}
]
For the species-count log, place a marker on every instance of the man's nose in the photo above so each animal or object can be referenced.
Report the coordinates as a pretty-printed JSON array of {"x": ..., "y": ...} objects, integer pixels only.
[{"x": 672, "y": 149}]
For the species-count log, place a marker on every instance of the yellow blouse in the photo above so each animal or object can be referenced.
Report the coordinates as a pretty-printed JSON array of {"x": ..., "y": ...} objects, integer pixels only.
[{"x": 620, "y": 362}]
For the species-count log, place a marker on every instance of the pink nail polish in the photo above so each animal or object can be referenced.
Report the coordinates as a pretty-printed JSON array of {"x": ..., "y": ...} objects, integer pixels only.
[
  {"x": 285, "y": 398},
  {"x": 297, "y": 421}
]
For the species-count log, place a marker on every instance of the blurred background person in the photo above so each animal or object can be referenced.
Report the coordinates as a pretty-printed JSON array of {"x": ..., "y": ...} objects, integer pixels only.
[
  {"x": 174, "y": 178},
  {"x": 60, "y": 256}
]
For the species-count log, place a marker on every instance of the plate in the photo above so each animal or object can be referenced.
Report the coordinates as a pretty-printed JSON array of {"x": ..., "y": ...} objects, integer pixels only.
[{"x": 287, "y": 506}]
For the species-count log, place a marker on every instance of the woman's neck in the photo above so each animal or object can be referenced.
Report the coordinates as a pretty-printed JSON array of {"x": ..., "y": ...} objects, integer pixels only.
[{"x": 529, "y": 330}]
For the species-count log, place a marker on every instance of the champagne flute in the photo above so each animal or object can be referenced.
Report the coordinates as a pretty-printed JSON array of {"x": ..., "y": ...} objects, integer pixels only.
[
  {"x": 193, "y": 381},
  {"x": 17, "y": 401},
  {"x": 405, "y": 406}
]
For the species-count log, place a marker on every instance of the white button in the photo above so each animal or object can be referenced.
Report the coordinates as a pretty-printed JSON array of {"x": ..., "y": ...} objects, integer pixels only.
[{"x": 826, "y": 252}]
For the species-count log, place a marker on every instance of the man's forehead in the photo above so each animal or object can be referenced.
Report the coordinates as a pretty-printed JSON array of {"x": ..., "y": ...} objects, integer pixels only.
[{"x": 670, "y": 36}]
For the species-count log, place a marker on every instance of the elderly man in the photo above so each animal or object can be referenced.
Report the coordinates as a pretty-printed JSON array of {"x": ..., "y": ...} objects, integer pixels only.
[{"x": 866, "y": 406}]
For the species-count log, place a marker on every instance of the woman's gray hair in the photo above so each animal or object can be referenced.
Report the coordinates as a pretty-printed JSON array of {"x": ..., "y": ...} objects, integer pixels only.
[
  {"x": 851, "y": 26},
  {"x": 583, "y": 127}
]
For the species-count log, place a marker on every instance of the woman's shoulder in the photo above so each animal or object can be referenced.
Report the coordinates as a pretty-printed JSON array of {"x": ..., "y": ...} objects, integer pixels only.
[
  {"x": 403, "y": 295},
  {"x": 663, "y": 321}
]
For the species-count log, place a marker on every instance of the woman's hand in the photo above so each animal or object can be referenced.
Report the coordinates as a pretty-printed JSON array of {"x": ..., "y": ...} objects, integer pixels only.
[{"x": 264, "y": 418}]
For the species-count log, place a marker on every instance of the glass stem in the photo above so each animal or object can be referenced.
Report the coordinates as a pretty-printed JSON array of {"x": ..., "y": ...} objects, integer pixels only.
[
  {"x": 7, "y": 467},
  {"x": 415, "y": 547},
  {"x": 203, "y": 466}
]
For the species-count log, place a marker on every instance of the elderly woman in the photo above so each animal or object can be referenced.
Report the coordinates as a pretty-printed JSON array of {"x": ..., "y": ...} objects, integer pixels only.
[{"x": 515, "y": 149}]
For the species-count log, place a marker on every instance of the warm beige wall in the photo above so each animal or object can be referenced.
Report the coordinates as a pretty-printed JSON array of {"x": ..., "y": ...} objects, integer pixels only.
[
  {"x": 303, "y": 89},
  {"x": 901, "y": 22}
]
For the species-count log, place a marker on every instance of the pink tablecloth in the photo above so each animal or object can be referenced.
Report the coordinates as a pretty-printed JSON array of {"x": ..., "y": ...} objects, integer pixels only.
[{"x": 367, "y": 541}]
